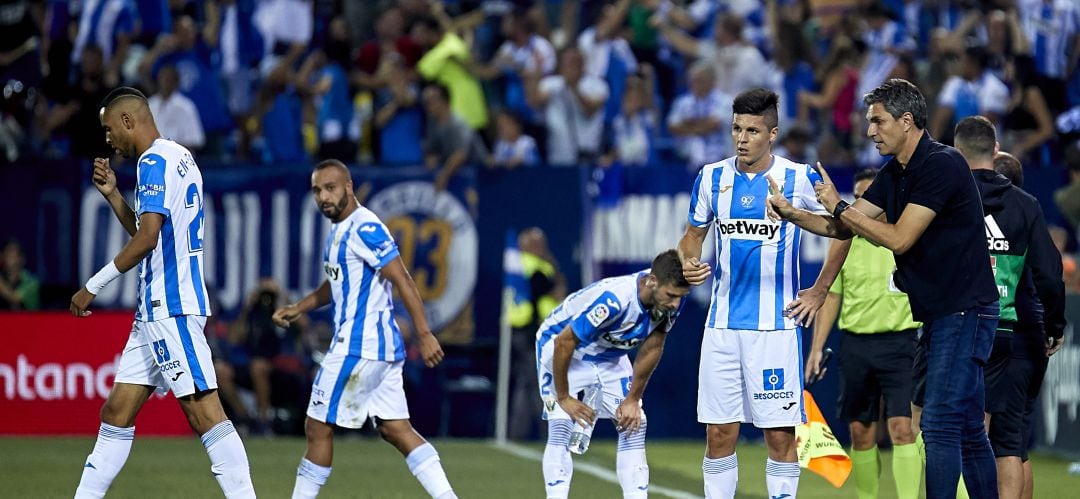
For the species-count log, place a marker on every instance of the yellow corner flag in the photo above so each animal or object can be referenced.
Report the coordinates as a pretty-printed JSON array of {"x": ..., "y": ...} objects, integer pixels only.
[{"x": 819, "y": 451}]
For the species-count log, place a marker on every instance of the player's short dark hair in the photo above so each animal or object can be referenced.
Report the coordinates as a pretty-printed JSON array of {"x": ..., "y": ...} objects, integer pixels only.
[
  {"x": 975, "y": 137},
  {"x": 330, "y": 163},
  {"x": 899, "y": 96},
  {"x": 667, "y": 267},
  {"x": 121, "y": 92},
  {"x": 1009, "y": 166},
  {"x": 866, "y": 174},
  {"x": 758, "y": 102}
]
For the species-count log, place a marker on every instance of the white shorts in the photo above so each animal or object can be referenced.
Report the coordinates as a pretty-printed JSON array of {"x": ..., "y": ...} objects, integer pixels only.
[
  {"x": 751, "y": 377},
  {"x": 169, "y": 354},
  {"x": 349, "y": 390},
  {"x": 613, "y": 375}
]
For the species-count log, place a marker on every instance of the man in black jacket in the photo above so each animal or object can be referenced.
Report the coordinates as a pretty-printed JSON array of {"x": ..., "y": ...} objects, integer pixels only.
[{"x": 1027, "y": 271}]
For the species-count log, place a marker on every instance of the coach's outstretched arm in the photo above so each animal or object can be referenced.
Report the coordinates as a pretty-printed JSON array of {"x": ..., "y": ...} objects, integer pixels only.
[
  {"x": 315, "y": 299},
  {"x": 142, "y": 242},
  {"x": 628, "y": 414},
  {"x": 399, "y": 276},
  {"x": 778, "y": 207},
  {"x": 693, "y": 269}
]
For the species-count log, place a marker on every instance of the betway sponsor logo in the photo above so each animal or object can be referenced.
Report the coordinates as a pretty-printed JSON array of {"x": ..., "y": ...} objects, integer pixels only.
[
  {"x": 53, "y": 381},
  {"x": 995, "y": 238},
  {"x": 754, "y": 230}
]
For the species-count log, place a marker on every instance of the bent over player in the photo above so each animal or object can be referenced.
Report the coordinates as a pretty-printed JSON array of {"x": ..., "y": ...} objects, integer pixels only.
[
  {"x": 585, "y": 342},
  {"x": 360, "y": 377},
  {"x": 167, "y": 349}
]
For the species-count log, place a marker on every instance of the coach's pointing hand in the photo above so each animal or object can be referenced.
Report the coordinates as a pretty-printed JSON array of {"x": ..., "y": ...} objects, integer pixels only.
[
  {"x": 825, "y": 190},
  {"x": 695, "y": 271},
  {"x": 777, "y": 207},
  {"x": 430, "y": 349}
]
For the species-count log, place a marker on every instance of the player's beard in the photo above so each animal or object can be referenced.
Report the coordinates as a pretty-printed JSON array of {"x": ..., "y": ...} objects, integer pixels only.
[{"x": 335, "y": 210}]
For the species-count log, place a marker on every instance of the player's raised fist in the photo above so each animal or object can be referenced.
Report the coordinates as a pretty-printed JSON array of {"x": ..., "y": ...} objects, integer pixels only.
[
  {"x": 694, "y": 271},
  {"x": 104, "y": 178}
]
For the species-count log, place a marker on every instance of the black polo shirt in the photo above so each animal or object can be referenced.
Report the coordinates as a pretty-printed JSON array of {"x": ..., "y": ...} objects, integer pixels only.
[{"x": 947, "y": 270}]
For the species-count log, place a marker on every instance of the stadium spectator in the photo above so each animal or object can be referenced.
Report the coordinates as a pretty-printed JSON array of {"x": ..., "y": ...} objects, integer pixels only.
[
  {"x": 523, "y": 52},
  {"x": 391, "y": 45},
  {"x": 175, "y": 114},
  {"x": 633, "y": 133},
  {"x": 1027, "y": 125},
  {"x": 19, "y": 47},
  {"x": 110, "y": 25},
  {"x": 449, "y": 143},
  {"x": 512, "y": 148},
  {"x": 728, "y": 53},
  {"x": 78, "y": 115},
  {"x": 446, "y": 62},
  {"x": 185, "y": 49},
  {"x": 287, "y": 27},
  {"x": 791, "y": 54},
  {"x": 607, "y": 54},
  {"x": 975, "y": 91},
  {"x": 572, "y": 102},
  {"x": 1060, "y": 237},
  {"x": 398, "y": 116},
  {"x": 876, "y": 353},
  {"x": 325, "y": 77},
  {"x": 797, "y": 144},
  {"x": 278, "y": 118},
  {"x": 700, "y": 119},
  {"x": 19, "y": 289},
  {"x": 884, "y": 34},
  {"x": 1067, "y": 198},
  {"x": 839, "y": 78},
  {"x": 232, "y": 35},
  {"x": 1052, "y": 28}
]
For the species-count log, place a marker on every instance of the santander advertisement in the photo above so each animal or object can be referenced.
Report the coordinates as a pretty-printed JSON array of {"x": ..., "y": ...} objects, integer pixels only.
[{"x": 56, "y": 371}]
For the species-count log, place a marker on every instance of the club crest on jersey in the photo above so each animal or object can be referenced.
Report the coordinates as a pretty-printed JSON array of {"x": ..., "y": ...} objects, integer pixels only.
[
  {"x": 598, "y": 314},
  {"x": 747, "y": 200}
]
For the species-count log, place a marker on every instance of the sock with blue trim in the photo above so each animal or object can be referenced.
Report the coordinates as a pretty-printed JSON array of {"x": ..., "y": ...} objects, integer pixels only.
[
  {"x": 631, "y": 465},
  {"x": 558, "y": 466},
  {"x": 721, "y": 476},
  {"x": 228, "y": 461},
  {"x": 424, "y": 464},
  {"x": 310, "y": 477},
  {"x": 782, "y": 479},
  {"x": 105, "y": 461}
]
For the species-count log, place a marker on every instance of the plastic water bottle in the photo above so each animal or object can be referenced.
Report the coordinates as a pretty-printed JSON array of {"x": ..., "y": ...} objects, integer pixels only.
[{"x": 579, "y": 438}]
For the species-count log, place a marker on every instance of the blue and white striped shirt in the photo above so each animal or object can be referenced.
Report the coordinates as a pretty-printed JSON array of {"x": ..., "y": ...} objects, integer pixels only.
[
  {"x": 170, "y": 184},
  {"x": 1051, "y": 27},
  {"x": 357, "y": 248},
  {"x": 757, "y": 260}
]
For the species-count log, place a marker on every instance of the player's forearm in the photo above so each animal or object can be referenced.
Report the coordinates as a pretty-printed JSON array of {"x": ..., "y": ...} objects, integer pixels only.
[
  {"x": 834, "y": 261},
  {"x": 136, "y": 249},
  {"x": 560, "y": 365},
  {"x": 690, "y": 247},
  {"x": 316, "y": 299},
  {"x": 645, "y": 364},
  {"x": 824, "y": 323},
  {"x": 414, "y": 305},
  {"x": 123, "y": 212},
  {"x": 821, "y": 225}
]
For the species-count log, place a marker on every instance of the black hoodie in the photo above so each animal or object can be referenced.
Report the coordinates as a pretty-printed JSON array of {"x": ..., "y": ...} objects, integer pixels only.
[{"x": 1027, "y": 266}]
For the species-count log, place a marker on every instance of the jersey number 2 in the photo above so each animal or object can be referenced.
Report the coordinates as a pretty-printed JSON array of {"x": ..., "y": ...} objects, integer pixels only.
[{"x": 195, "y": 243}]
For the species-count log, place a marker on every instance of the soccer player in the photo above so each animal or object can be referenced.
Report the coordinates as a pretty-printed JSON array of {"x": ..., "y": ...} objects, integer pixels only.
[
  {"x": 167, "y": 349},
  {"x": 585, "y": 341},
  {"x": 934, "y": 227},
  {"x": 751, "y": 354},
  {"x": 876, "y": 354},
  {"x": 1026, "y": 266},
  {"x": 360, "y": 377}
]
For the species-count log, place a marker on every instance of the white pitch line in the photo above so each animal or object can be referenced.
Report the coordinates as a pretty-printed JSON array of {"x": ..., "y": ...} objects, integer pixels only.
[{"x": 597, "y": 471}]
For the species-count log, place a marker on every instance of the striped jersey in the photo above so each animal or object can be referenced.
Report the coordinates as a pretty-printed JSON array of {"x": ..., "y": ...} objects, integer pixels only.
[
  {"x": 361, "y": 308},
  {"x": 607, "y": 317},
  {"x": 1051, "y": 27},
  {"x": 170, "y": 184},
  {"x": 757, "y": 260}
]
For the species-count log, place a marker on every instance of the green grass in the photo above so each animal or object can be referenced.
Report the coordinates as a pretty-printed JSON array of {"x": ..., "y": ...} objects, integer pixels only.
[{"x": 365, "y": 467}]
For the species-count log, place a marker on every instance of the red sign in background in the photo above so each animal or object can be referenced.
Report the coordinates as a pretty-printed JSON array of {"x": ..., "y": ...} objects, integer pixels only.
[{"x": 56, "y": 370}]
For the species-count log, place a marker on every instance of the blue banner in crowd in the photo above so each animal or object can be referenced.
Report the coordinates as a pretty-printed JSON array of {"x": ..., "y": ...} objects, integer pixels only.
[{"x": 261, "y": 223}]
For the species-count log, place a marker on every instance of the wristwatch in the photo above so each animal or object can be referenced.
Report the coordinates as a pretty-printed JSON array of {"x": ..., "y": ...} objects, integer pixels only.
[{"x": 839, "y": 208}]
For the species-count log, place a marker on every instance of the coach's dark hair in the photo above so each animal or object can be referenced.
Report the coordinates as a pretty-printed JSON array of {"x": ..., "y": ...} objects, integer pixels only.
[
  {"x": 758, "y": 102},
  {"x": 667, "y": 267},
  {"x": 899, "y": 96},
  {"x": 330, "y": 163},
  {"x": 866, "y": 174},
  {"x": 975, "y": 137},
  {"x": 1009, "y": 166},
  {"x": 120, "y": 93}
]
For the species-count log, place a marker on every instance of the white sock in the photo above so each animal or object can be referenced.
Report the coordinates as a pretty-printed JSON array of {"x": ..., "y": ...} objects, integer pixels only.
[
  {"x": 558, "y": 464},
  {"x": 782, "y": 479},
  {"x": 424, "y": 464},
  {"x": 721, "y": 476},
  {"x": 228, "y": 461},
  {"x": 105, "y": 461},
  {"x": 631, "y": 466},
  {"x": 309, "y": 478}
]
